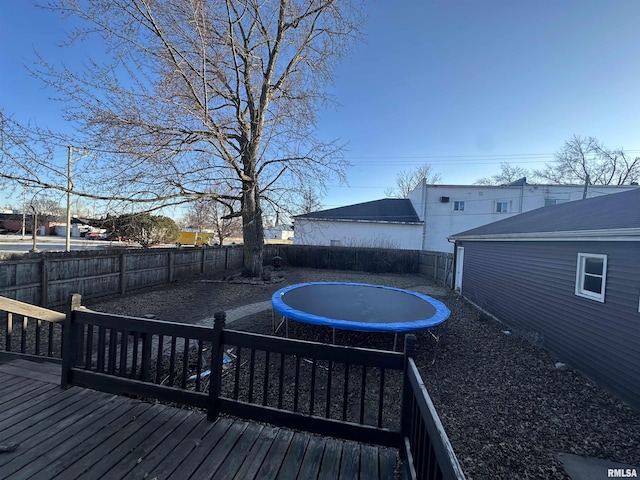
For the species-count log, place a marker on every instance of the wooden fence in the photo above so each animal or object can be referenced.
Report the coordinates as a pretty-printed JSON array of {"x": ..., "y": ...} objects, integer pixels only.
[
  {"x": 49, "y": 280},
  {"x": 436, "y": 265}
]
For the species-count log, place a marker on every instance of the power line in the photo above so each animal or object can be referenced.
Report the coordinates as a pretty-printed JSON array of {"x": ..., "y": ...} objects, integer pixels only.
[{"x": 480, "y": 156}]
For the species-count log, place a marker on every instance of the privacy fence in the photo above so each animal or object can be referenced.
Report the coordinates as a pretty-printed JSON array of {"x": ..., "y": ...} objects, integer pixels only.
[
  {"x": 436, "y": 265},
  {"x": 50, "y": 279}
]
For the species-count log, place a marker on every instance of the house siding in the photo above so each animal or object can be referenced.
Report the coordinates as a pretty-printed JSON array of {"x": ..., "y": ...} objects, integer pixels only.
[
  {"x": 406, "y": 236},
  {"x": 440, "y": 221},
  {"x": 530, "y": 286}
]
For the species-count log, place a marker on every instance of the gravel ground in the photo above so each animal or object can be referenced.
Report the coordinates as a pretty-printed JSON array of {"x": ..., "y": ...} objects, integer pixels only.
[{"x": 507, "y": 410}]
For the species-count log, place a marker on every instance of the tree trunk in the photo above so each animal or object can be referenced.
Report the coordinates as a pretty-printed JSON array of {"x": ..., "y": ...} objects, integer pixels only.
[{"x": 252, "y": 232}]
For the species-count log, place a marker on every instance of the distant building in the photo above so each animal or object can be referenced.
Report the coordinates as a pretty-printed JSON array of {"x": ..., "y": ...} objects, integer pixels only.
[
  {"x": 431, "y": 213},
  {"x": 279, "y": 232},
  {"x": 387, "y": 223},
  {"x": 448, "y": 209}
]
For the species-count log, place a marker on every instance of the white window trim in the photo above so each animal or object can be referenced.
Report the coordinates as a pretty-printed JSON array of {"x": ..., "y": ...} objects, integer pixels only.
[
  {"x": 580, "y": 291},
  {"x": 458, "y": 202},
  {"x": 501, "y": 202}
]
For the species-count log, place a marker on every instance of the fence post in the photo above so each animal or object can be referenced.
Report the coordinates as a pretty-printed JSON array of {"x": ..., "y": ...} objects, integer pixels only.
[
  {"x": 170, "y": 267},
  {"x": 407, "y": 393},
  {"x": 204, "y": 260},
  {"x": 69, "y": 341},
  {"x": 213, "y": 409},
  {"x": 123, "y": 274},
  {"x": 44, "y": 281}
]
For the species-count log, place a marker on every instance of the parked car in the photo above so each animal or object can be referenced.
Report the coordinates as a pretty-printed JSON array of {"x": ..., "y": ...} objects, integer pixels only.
[
  {"x": 197, "y": 239},
  {"x": 96, "y": 236}
]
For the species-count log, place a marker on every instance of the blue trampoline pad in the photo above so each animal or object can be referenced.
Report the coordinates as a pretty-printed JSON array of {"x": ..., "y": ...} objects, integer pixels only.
[{"x": 359, "y": 306}]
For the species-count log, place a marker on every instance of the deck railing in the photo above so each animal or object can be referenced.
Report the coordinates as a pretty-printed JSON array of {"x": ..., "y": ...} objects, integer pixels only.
[
  {"x": 331, "y": 390},
  {"x": 425, "y": 448},
  {"x": 30, "y": 331},
  {"x": 327, "y": 389}
]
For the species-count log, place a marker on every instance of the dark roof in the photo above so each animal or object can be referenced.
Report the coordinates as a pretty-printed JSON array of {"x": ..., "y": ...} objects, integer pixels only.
[
  {"x": 385, "y": 210},
  {"x": 607, "y": 212}
]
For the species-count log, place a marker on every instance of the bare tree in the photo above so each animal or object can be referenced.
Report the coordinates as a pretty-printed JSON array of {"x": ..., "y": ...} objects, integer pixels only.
[
  {"x": 206, "y": 214},
  {"x": 508, "y": 173},
  {"x": 310, "y": 201},
  {"x": 407, "y": 180},
  {"x": 585, "y": 160},
  {"x": 196, "y": 92}
]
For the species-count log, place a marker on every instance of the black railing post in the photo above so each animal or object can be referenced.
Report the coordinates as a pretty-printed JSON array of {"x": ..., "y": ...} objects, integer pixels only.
[
  {"x": 216, "y": 366},
  {"x": 146, "y": 356},
  {"x": 407, "y": 393},
  {"x": 69, "y": 341}
]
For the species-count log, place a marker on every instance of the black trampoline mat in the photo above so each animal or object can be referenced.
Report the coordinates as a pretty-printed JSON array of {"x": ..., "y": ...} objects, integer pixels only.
[{"x": 358, "y": 303}]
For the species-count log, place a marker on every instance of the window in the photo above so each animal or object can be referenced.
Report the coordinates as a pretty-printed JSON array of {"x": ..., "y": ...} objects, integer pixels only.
[
  {"x": 591, "y": 276},
  {"x": 335, "y": 243},
  {"x": 502, "y": 207},
  {"x": 458, "y": 206}
]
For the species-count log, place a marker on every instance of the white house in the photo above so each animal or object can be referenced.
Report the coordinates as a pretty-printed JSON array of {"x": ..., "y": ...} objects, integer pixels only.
[
  {"x": 387, "y": 223},
  {"x": 431, "y": 213},
  {"x": 279, "y": 232},
  {"x": 449, "y": 209}
]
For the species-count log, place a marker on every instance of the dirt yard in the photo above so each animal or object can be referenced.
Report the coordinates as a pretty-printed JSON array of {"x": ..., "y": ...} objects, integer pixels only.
[{"x": 505, "y": 406}]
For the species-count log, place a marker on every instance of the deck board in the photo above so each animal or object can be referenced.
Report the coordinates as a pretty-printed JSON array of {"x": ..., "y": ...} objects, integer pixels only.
[
  {"x": 350, "y": 461},
  {"x": 213, "y": 461},
  {"x": 312, "y": 457},
  {"x": 44, "y": 371},
  {"x": 84, "y": 434},
  {"x": 293, "y": 459},
  {"x": 330, "y": 465},
  {"x": 234, "y": 460},
  {"x": 273, "y": 461}
]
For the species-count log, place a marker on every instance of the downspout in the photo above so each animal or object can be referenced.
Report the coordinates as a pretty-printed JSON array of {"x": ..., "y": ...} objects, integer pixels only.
[{"x": 454, "y": 264}]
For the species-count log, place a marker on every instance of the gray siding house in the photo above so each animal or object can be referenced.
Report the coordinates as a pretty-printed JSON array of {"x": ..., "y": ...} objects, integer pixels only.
[{"x": 567, "y": 275}]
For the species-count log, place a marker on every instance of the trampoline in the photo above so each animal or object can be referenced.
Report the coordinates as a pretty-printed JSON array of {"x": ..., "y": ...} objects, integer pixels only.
[{"x": 359, "y": 306}]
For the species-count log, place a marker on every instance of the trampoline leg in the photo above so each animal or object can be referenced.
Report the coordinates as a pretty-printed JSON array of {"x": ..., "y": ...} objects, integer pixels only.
[
  {"x": 435, "y": 351},
  {"x": 334, "y": 335},
  {"x": 436, "y": 337},
  {"x": 395, "y": 341}
]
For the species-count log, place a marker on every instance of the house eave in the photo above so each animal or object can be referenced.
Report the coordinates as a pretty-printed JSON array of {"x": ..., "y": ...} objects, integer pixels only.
[{"x": 611, "y": 235}]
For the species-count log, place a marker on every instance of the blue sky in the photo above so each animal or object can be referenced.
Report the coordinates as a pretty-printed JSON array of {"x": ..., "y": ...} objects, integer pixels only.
[{"x": 462, "y": 85}]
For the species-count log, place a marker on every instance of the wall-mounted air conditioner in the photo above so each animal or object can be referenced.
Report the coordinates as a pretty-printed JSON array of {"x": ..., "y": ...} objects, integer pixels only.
[{"x": 444, "y": 199}]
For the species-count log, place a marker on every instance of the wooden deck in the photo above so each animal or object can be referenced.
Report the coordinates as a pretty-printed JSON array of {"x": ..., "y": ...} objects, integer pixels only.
[{"x": 85, "y": 434}]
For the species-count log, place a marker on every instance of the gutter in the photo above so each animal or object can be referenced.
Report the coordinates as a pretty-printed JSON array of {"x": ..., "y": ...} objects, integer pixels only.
[
  {"x": 618, "y": 235},
  {"x": 351, "y": 220}
]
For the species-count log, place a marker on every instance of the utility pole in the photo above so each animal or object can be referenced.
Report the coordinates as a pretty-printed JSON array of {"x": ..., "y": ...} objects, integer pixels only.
[
  {"x": 34, "y": 249},
  {"x": 24, "y": 209},
  {"x": 68, "y": 231}
]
